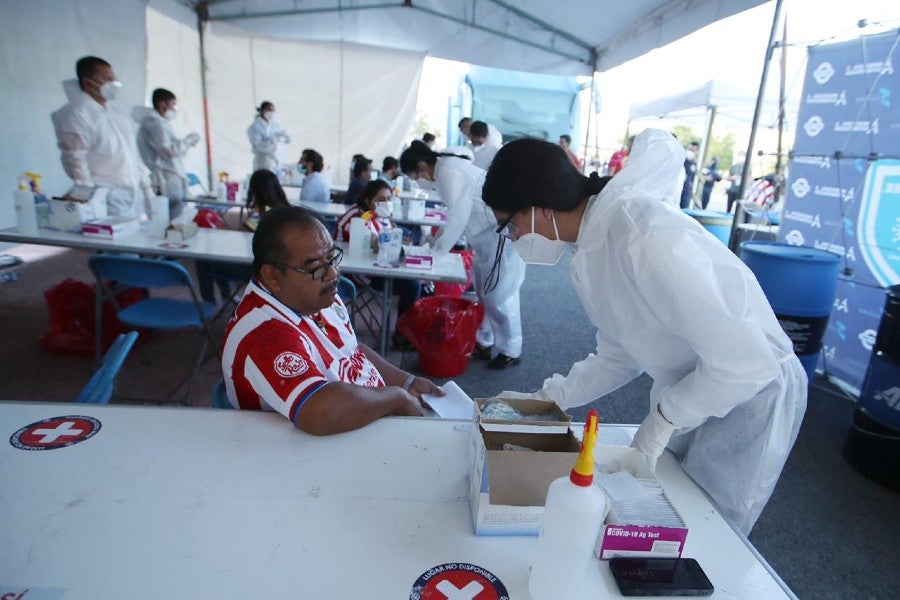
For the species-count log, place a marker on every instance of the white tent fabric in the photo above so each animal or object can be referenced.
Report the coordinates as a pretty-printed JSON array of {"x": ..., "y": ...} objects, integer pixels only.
[
  {"x": 713, "y": 93},
  {"x": 340, "y": 99},
  {"x": 526, "y": 35}
]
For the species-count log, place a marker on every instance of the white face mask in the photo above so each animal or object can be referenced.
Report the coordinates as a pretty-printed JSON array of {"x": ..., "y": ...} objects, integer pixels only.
[
  {"x": 110, "y": 90},
  {"x": 170, "y": 114},
  {"x": 691, "y": 155},
  {"x": 384, "y": 209},
  {"x": 269, "y": 115},
  {"x": 535, "y": 249}
]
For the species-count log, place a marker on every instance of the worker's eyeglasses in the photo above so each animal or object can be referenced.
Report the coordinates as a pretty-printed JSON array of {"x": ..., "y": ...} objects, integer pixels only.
[
  {"x": 319, "y": 272},
  {"x": 505, "y": 229}
]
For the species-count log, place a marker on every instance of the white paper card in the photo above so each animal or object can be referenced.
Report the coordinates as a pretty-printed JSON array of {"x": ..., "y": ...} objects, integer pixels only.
[
  {"x": 456, "y": 404},
  {"x": 622, "y": 486}
]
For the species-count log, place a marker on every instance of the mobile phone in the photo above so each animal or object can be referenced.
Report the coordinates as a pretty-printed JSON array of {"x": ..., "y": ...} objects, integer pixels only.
[{"x": 660, "y": 577}]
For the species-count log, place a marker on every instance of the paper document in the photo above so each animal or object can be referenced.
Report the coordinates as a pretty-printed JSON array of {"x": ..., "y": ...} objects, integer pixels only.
[{"x": 455, "y": 405}]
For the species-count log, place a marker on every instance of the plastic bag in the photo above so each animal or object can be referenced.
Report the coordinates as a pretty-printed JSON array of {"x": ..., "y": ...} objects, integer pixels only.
[
  {"x": 455, "y": 290},
  {"x": 443, "y": 331},
  {"x": 70, "y": 305},
  {"x": 209, "y": 219}
]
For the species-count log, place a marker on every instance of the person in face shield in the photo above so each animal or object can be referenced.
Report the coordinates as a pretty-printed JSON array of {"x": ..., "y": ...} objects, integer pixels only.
[
  {"x": 97, "y": 141},
  {"x": 667, "y": 299},
  {"x": 459, "y": 183},
  {"x": 162, "y": 150},
  {"x": 265, "y": 135}
]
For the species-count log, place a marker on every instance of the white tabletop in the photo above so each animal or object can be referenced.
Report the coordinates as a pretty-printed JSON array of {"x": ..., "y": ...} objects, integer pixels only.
[
  {"x": 214, "y": 201},
  {"x": 224, "y": 245},
  {"x": 188, "y": 503},
  {"x": 341, "y": 189},
  {"x": 335, "y": 210}
]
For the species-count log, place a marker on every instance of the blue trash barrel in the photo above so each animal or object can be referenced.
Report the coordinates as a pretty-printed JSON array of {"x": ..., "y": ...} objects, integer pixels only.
[
  {"x": 715, "y": 222},
  {"x": 800, "y": 284}
]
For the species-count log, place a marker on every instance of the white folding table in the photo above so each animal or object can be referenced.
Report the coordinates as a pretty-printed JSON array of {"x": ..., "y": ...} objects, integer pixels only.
[{"x": 205, "y": 503}]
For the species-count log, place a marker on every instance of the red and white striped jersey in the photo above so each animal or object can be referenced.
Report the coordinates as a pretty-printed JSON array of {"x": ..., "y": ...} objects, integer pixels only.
[
  {"x": 342, "y": 229},
  {"x": 761, "y": 192},
  {"x": 275, "y": 359}
]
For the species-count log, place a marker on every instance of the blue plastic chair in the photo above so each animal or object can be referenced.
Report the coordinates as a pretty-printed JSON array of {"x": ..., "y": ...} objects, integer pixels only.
[
  {"x": 153, "y": 312},
  {"x": 100, "y": 387},
  {"x": 219, "y": 396}
]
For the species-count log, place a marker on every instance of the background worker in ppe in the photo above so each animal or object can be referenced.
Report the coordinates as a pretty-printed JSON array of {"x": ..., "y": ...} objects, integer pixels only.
[
  {"x": 97, "y": 141},
  {"x": 459, "y": 183},
  {"x": 162, "y": 150},
  {"x": 667, "y": 299},
  {"x": 265, "y": 135}
]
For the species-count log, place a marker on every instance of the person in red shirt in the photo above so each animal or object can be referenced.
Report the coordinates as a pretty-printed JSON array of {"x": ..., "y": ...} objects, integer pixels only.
[
  {"x": 619, "y": 158},
  {"x": 290, "y": 346}
]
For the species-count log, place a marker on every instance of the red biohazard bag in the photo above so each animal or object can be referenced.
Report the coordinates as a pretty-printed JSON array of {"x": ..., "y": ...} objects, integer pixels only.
[
  {"x": 70, "y": 305},
  {"x": 443, "y": 331},
  {"x": 209, "y": 219},
  {"x": 455, "y": 290}
]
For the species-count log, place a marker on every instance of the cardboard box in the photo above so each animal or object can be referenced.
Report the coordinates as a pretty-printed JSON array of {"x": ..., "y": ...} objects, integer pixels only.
[
  {"x": 418, "y": 257},
  {"x": 526, "y": 406},
  {"x": 623, "y": 539},
  {"x": 508, "y": 488},
  {"x": 69, "y": 216},
  {"x": 111, "y": 227}
]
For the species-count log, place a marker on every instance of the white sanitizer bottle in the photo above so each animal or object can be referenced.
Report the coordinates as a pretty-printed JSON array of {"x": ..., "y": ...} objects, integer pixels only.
[{"x": 573, "y": 515}]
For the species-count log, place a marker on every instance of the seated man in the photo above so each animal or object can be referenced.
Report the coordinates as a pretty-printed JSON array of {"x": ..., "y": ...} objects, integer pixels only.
[{"x": 290, "y": 346}]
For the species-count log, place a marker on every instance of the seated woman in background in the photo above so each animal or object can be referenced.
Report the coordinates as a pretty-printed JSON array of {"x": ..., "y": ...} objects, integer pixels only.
[
  {"x": 315, "y": 188},
  {"x": 360, "y": 176},
  {"x": 375, "y": 199},
  {"x": 263, "y": 193}
]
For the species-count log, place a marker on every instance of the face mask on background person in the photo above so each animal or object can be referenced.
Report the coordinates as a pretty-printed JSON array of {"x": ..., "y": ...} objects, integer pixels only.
[
  {"x": 690, "y": 154},
  {"x": 170, "y": 114},
  {"x": 536, "y": 249},
  {"x": 384, "y": 209},
  {"x": 110, "y": 90},
  {"x": 269, "y": 115},
  {"x": 302, "y": 168}
]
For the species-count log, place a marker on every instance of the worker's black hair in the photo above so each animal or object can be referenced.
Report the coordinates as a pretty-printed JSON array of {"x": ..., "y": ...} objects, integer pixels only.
[
  {"x": 417, "y": 153},
  {"x": 268, "y": 240},
  {"x": 531, "y": 172},
  {"x": 478, "y": 129},
  {"x": 265, "y": 104},
  {"x": 87, "y": 66},
  {"x": 161, "y": 95},
  {"x": 428, "y": 137}
]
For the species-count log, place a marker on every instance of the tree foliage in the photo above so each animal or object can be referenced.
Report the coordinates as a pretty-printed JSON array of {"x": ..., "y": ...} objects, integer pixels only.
[{"x": 720, "y": 147}]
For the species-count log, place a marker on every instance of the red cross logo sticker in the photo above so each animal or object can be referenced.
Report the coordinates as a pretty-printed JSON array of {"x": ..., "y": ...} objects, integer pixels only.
[{"x": 55, "y": 432}]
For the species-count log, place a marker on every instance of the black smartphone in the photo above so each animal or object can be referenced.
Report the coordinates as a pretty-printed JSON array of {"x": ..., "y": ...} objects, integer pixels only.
[{"x": 660, "y": 577}]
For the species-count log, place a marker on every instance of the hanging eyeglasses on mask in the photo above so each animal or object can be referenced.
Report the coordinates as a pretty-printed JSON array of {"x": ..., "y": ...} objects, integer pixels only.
[{"x": 532, "y": 247}]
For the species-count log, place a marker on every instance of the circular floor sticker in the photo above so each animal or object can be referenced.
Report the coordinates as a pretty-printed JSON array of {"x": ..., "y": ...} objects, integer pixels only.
[
  {"x": 458, "y": 581},
  {"x": 55, "y": 432}
]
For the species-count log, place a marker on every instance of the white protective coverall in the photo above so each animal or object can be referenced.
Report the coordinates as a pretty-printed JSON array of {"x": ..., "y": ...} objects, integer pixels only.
[
  {"x": 671, "y": 300},
  {"x": 459, "y": 184},
  {"x": 264, "y": 137},
  {"x": 97, "y": 146},
  {"x": 484, "y": 154},
  {"x": 162, "y": 151}
]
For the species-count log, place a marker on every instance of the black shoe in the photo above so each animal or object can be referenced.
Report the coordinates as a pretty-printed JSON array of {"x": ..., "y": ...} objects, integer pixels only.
[
  {"x": 501, "y": 361},
  {"x": 481, "y": 352}
]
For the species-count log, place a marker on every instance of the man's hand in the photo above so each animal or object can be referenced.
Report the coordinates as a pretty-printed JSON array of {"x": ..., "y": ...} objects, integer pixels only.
[
  {"x": 421, "y": 386},
  {"x": 409, "y": 406}
]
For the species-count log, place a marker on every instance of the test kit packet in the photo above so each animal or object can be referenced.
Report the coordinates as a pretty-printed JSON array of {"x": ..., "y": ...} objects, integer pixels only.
[
  {"x": 418, "y": 257},
  {"x": 110, "y": 227},
  {"x": 628, "y": 540}
]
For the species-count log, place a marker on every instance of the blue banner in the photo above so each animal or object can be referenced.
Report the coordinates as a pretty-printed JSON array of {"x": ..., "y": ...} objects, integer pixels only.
[{"x": 843, "y": 192}]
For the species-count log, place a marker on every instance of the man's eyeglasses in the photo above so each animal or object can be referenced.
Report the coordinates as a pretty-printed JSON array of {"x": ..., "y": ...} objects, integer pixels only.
[{"x": 319, "y": 272}]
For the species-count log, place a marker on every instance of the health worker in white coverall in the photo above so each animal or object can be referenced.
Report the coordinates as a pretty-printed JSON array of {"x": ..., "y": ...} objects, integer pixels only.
[
  {"x": 97, "y": 140},
  {"x": 265, "y": 135},
  {"x": 459, "y": 183},
  {"x": 162, "y": 150},
  {"x": 668, "y": 299}
]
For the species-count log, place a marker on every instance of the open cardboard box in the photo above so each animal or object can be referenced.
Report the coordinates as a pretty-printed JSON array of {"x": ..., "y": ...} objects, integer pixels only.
[
  {"x": 526, "y": 406},
  {"x": 508, "y": 488},
  {"x": 622, "y": 539}
]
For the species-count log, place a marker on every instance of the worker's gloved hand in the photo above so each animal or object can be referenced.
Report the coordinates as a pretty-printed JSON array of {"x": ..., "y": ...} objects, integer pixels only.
[
  {"x": 284, "y": 138},
  {"x": 652, "y": 437},
  {"x": 192, "y": 139}
]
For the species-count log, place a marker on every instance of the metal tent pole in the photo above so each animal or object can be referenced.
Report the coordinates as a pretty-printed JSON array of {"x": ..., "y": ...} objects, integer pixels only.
[{"x": 202, "y": 18}]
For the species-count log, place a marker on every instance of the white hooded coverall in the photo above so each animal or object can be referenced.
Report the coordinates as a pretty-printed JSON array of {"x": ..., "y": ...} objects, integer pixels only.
[
  {"x": 264, "y": 137},
  {"x": 97, "y": 148},
  {"x": 459, "y": 184},
  {"x": 161, "y": 150},
  {"x": 671, "y": 300}
]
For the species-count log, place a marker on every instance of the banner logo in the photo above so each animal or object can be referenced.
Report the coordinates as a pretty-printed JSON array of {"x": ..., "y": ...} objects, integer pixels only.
[
  {"x": 800, "y": 187},
  {"x": 823, "y": 73},
  {"x": 878, "y": 225},
  {"x": 814, "y": 126},
  {"x": 794, "y": 238}
]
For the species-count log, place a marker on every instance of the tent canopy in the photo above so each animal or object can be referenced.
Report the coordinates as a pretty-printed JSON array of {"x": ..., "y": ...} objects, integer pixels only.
[
  {"x": 525, "y": 35},
  {"x": 710, "y": 94}
]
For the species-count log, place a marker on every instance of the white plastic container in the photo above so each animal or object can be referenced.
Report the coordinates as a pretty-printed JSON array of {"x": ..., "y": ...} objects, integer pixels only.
[
  {"x": 573, "y": 515},
  {"x": 26, "y": 213},
  {"x": 159, "y": 216},
  {"x": 360, "y": 238}
]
